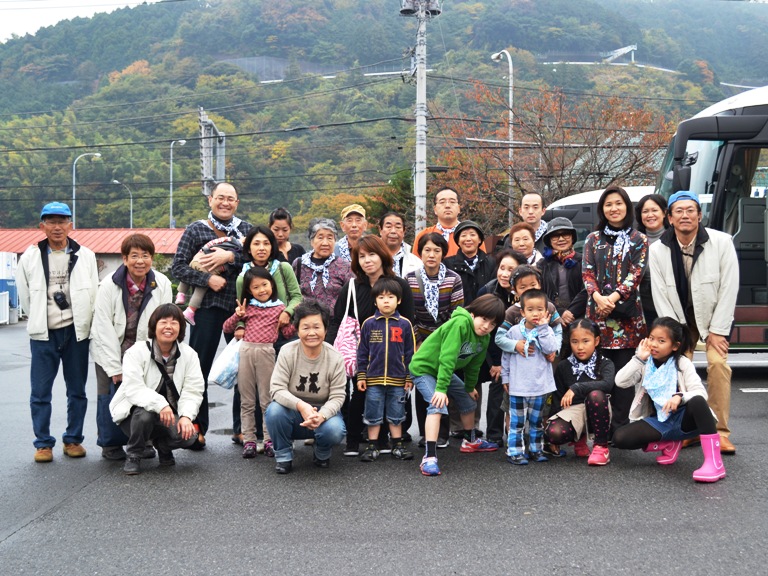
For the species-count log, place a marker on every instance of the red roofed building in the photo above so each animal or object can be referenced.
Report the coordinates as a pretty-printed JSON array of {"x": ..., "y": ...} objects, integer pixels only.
[{"x": 104, "y": 242}]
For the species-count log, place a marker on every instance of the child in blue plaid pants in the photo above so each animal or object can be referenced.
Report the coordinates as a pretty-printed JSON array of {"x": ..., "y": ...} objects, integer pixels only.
[{"x": 527, "y": 375}]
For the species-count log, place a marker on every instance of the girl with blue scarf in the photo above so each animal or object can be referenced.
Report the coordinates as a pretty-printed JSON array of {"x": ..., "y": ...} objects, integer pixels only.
[{"x": 670, "y": 402}]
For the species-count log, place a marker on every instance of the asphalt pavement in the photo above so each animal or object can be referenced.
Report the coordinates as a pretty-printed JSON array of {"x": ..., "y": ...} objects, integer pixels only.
[{"x": 216, "y": 513}]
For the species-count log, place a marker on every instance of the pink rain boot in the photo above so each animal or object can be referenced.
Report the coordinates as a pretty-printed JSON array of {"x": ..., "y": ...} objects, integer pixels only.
[
  {"x": 670, "y": 449},
  {"x": 712, "y": 470}
]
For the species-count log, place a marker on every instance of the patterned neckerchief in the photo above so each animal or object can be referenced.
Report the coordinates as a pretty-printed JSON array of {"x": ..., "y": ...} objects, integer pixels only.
[
  {"x": 229, "y": 228},
  {"x": 267, "y": 304},
  {"x": 397, "y": 261},
  {"x": 344, "y": 251},
  {"x": 472, "y": 262},
  {"x": 321, "y": 270},
  {"x": 621, "y": 245},
  {"x": 446, "y": 232},
  {"x": 540, "y": 230},
  {"x": 432, "y": 290},
  {"x": 580, "y": 368}
]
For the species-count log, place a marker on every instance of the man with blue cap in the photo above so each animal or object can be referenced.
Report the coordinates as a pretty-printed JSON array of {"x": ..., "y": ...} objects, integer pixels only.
[
  {"x": 57, "y": 280},
  {"x": 701, "y": 265}
]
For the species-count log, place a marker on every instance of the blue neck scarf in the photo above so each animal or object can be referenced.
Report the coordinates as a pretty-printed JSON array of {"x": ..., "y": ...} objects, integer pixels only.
[{"x": 661, "y": 384}]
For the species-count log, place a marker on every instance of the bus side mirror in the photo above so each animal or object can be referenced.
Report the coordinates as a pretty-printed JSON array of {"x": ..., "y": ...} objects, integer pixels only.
[{"x": 681, "y": 178}]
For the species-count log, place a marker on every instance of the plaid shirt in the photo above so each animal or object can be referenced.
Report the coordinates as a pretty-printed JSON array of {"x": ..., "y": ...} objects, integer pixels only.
[
  {"x": 197, "y": 235},
  {"x": 260, "y": 324}
]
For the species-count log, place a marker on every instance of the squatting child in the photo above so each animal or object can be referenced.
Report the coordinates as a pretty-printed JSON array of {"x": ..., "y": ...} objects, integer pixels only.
[
  {"x": 386, "y": 347},
  {"x": 670, "y": 402},
  {"x": 459, "y": 344},
  {"x": 584, "y": 380},
  {"x": 528, "y": 377}
]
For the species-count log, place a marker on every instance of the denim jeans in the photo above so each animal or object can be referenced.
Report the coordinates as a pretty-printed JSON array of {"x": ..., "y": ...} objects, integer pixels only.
[
  {"x": 377, "y": 397},
  {"x": 284, "y": 427},
  {"x": 62, "y": 348},
  {"x": 426, "y": 385}
]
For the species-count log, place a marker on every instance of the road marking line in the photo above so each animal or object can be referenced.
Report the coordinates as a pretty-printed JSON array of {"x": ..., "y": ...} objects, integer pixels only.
[{"x": 755, "y": 390}]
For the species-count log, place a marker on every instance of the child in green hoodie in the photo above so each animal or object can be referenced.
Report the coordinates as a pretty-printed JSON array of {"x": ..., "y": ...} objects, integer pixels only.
[{"x": 459, "y": 344}]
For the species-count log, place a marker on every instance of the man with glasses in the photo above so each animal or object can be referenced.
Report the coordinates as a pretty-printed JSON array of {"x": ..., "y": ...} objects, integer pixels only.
[
  {"x": 57, "y": 281},
  {"x": 447, "y": 211},
  {"x": 695, "y": 280},
  {"x": 220, "y": 301}
]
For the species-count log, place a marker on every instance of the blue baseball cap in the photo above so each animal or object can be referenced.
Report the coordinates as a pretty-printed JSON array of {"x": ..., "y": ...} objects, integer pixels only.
[
  {"x": 55, "y": 209},
  {"x": 683, "y": 195}
]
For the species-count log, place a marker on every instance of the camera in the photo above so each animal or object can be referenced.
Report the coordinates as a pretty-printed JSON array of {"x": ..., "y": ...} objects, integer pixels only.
[{"x": 61, "y": 300}]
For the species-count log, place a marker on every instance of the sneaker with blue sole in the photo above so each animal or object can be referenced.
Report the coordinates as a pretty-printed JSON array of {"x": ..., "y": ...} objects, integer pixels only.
[
  {"x": 518, "y": 460},
  {"x": 537, "y": 457},
  {"x": 479, "y": 445},
  {"x": 429, "y": 466}
]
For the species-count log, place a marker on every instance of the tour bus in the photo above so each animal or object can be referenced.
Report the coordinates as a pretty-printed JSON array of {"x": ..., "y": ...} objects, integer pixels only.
[{"x": 722, "y": 154}]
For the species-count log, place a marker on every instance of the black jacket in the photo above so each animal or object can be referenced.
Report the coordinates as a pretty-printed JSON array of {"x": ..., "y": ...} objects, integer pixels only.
[
  {"x": 472, "y": 281},
  {"x": 550, "y": 284}
]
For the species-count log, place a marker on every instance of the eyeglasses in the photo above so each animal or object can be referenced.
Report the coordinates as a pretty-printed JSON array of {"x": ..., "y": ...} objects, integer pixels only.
[
  {"x": 687, "y": 211},
  {"x": 56, "y": 223}
]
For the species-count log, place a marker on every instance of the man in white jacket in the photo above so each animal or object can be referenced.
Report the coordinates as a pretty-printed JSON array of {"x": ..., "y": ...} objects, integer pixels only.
[
  {"x": 57, "y": 281},
  {"x": 695, "y": 280}
]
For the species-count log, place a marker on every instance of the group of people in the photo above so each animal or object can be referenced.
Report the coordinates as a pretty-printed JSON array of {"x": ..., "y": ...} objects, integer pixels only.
[{"x": 574, "y": 347}]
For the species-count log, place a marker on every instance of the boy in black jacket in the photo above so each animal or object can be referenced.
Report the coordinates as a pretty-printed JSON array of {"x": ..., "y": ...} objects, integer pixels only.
[{"x": 386, "y": 347}]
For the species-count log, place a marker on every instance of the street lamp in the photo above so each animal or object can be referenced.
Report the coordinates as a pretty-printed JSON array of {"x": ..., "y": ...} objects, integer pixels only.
[
  {"x": 74, "y": 184},
  {"x": 497, "y": 58},
  {"x": 171, "y": 223},
  {"x": 129, "y": 193}
]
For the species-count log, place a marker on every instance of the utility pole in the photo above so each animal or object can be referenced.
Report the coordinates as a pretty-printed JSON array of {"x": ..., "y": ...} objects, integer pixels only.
[
  {"x": 422, "y": 10},
  {"x": 212, "y": 147}
]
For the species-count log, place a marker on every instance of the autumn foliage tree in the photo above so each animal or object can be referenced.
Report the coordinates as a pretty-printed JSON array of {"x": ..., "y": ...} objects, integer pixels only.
[{"x": 561, "y": 146}]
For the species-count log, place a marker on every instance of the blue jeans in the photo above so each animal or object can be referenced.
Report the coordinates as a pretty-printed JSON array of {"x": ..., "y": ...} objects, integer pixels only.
[
  {"x": 62, "y": 348},
  {"x": 426, "y": 385},
  {"x": 376, "y": 397},
  {"x": 284, "y": 427}
]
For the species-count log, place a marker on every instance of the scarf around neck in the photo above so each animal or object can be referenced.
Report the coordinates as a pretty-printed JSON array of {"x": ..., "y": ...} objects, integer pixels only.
[
  {"x": 661, "y": 384},
  {"x": 540, "y": 230},
  {"x": 432, "y": 289},
  {"x": 530, "y": 336},
  {"x": 621, "y": 244},
  {"x": 567, "y": 258},
  {"x": 446, "y": 232},
  {"x": 267, "y": 304},
  {"x": 344, "y": 250},
  {"x": 321, "y": 270},
  {"x": 580, "y": 368},
  {"x": 230, "y": 228}
]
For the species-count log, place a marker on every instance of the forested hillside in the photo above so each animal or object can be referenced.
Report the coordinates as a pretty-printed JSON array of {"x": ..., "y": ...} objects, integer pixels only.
[{"x": 129, "y": 83}]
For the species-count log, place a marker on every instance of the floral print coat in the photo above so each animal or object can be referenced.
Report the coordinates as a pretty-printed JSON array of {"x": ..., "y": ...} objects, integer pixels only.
[{"x": 603, "y": 273}]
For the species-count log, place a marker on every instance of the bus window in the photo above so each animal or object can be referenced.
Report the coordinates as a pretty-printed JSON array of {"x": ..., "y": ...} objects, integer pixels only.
[
  {"x": 704, "y": 157},
  {"x": 746, "y": 179}
]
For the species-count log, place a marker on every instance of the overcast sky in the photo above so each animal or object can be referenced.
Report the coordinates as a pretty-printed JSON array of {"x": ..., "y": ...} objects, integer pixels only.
[{"x": 27, "y": 16}]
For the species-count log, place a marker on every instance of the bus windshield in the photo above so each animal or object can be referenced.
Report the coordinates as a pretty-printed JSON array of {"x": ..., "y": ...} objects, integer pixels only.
[{"x": 703, "y": 158}]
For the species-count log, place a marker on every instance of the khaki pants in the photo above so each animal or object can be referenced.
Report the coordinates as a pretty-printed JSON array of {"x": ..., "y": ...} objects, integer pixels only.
[
  {"x": 718, "y": 383},
  {"x": 257, "y": 361}
]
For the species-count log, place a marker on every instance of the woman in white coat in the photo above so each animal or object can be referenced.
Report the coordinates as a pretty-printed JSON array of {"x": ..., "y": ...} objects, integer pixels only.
[
  {"x": 161, "y": 391},
  {"x": 124, "y": 303}
]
